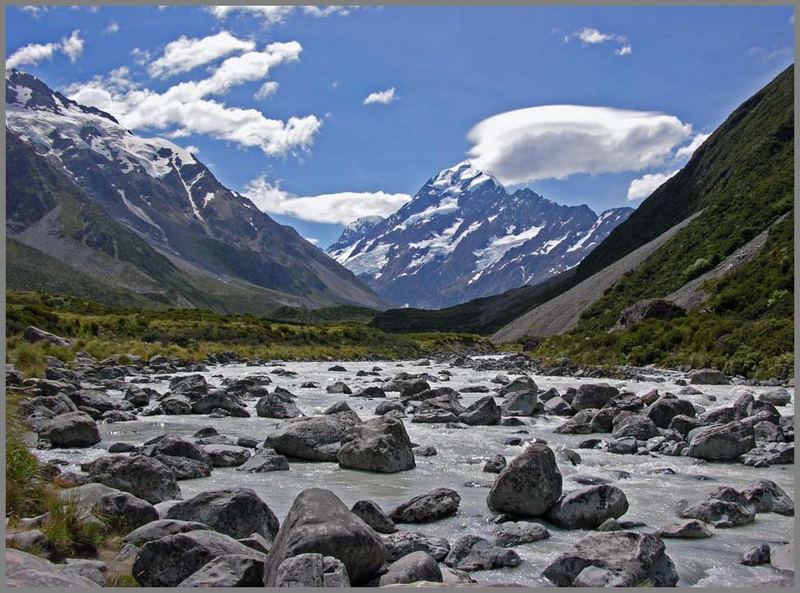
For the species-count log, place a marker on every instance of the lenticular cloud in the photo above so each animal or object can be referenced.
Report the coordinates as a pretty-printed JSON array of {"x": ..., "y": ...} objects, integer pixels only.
[{"x": 556, "y": 141}]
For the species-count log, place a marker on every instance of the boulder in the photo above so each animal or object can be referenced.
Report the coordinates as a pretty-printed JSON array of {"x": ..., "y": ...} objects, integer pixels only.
[
  {"x": 312, "y": 570},
  {"x": 144, "y": 477},
  {"x": 176, "y": 446},
  {"x": 522, "y": 384},
  {"x": 691, "y": 529},
  {"x": 558, "y": 406},
  {"x": 667, "y": 407},
  {"x": 722, "y": 442},
  {"x": 272, "y": 406},
  {"x": 370, "y": 392},
  {"x": 594, "y": 395},
  {"x": 34, "y": 334},
  {"x": 766, "y": 454},
  {"x": 470, "y": 553},
  {"x": 218, "y": 399},
  {"x": 587, "y": 508},
  {"x": 124, "y": 510},
  {"x": 169, "y": 561},
  {"x": 316, "y": 438},
  {"x": 339, "y": 387},
  {"x": 432, "y": 506},
  {"x": 138, "y": 396},
  {"x": 776, "y": 397},
  {"x": 96, "y": 400},
  {"x": 401, "y": 543},
  {"x": 175, "y": 405},
  {"x": 318, "y": 522},
  {"x": 230, "y": 570},
  {"x": 237, "y": 512},
  {"x": 530, "y": 484},
  {"x": 520, "y": 403},
  {"x": 514, "y": 533},
  {"x": 615, "y": 558},
  {"x": 184, "y": 468},
  {"x": 756, "y": 555},
  {"x": 723, "y": 507},
  {"x": 388, "y": 406},
  {"x": 411, "y": 568},
  {"x": 378, "y": 445},
  {"x": 637, "y": 426},
  {"x": 372, "y": 514},
  {"x": 483, "y": 412},
  {"x": 227, "y": 455},
  {"x": 73, "y": 429},
  {"x": 708, "y": 377},
  {"x": 767, "y": 497},
  {"x": 29, "y": 571},
  {"x": 266, "y": 460},
  {"x": 495, "y": 465},
  {"x": 161, "y": 528},
  {"x": 192, "y": 386}
]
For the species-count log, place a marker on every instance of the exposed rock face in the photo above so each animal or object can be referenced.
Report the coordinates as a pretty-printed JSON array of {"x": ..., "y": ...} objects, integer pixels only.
[
  {"x": 378, "y": 445},
  {"x": 649, "y": 309},
  {"x": 723, "y": 442},
  {"x": 708, "y": 377},
  {"x": 316, "y": 438},
  {"x": 27, "y": 570},
  {"x": 402, "y": 543},
  {"x": 372, "y": 514},
  {"x": 318, "y": 522},
  {"x": 530, "y": 484},
  {"x": 471, "y": 553},
  {"x": 231, "y": 570},
  {"x": 588, "y": 508},
  {"x": 312, "y": 570},
  {"x": 168, "y": 561},
  {"x": 73, "y": 429},
  {"x": 144, "y": 477},
  {"x": 617, "y": 558},
  {"x": 237, "y": 512},
  {"x": 414, "y": 567},
  {"x": 434, "y": 505}
]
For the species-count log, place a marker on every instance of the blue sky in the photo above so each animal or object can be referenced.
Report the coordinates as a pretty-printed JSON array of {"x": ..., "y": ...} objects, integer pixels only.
[{"x": 656, "y": 79}]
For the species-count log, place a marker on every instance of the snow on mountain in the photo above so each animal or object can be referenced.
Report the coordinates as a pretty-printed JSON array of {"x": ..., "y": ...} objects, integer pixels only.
[
  {"x": 171, "y": 199},
  {"x": 464, "y": 236}
]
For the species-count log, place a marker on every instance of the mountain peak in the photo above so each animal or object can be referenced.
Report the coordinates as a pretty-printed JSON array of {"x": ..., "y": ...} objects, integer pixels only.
[{"x": 461, "y": 177}]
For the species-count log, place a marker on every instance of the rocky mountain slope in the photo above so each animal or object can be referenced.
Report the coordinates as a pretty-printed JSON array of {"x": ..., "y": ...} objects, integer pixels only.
[
  {"x": 464, "y": 236},
  {"x": 103, "y": 192},
  {"x": 740, "y": 181}
]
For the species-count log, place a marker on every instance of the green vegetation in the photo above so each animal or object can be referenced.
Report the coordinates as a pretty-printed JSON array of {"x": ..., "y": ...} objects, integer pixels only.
[
  {"x": 193, "y": 334},
  {"x": 745, "y": 328}
]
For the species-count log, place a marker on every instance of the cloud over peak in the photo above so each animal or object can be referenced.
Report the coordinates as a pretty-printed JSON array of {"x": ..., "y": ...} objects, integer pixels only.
[{"x": 556, "y": 141}]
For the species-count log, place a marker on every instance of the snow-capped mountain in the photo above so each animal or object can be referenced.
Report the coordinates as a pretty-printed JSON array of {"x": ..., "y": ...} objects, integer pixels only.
[
  {"x": 167, "y": 197},
  {"x": 464, "y": 236}
]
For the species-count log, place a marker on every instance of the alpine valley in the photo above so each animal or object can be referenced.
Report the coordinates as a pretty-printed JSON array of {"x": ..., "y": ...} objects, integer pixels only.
[{"x": 463, "y": 236}]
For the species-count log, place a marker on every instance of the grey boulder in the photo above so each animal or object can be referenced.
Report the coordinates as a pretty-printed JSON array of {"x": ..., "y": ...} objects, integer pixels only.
[
  {"x": 530, "y": 484},
  {"x": 378, "y": 445}
]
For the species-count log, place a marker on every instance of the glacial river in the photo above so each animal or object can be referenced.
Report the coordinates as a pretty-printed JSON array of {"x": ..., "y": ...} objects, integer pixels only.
[{"x": 652, "y": 493}]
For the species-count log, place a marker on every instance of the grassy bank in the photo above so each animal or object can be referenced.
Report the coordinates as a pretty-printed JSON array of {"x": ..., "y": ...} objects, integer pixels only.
[{"x": 193, "y": 334}]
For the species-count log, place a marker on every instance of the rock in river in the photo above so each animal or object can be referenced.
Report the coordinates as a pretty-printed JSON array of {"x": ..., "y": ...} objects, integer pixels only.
[
  {"x": 73, "y": 429},
  {"x": 378, "y": 445},
  {"x": 722, "y": 442},
  {"x": 412, "y": 568},
  {"x": 372, "y": 514},
  {"x": 530, "y": 484},
  {"x": 587, "y": 508},
  {"x": 142, "y": 476},
  {"x": 471, "y": 553},
  {"x": 316, "y": 438},
  {"x": 318, "y": 522},
  {"x": 434, "y": 505}
]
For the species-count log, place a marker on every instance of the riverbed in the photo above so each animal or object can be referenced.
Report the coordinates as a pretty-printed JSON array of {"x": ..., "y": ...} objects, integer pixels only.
[{"x": 653, "y": 491}]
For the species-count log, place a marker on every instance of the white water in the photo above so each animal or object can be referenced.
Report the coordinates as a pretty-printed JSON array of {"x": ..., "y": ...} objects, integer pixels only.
[{"x": 652, "y": 497}]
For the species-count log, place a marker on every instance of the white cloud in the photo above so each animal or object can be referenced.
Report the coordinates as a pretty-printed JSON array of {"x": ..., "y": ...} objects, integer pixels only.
[
  {"x": 32, "y": 54},
  {"x": 556, "y": 141},
  {"x": 625, "y": 50},
  {"x": 267, "y": 89},
  {"x": 140, "y": 56},
  {"x": 72, "y": 46},
  {"x": 686, "y": 152},
  {"x": 647, "y": 184},
  {"x": 186, "y": 108},
  {"x": 338, "y": 208},
  {"x": 273, "y": 15},
  {"x": 312, "y": 240},
  {"x": 382, "y": 97},
  {"x": 112, "y": 28},
  {"x": 185, "y": 54},
  {"x": 763, "y": 54},
  {"x": 193, "y": 149},
  {"x": 593, "y": 36}
]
